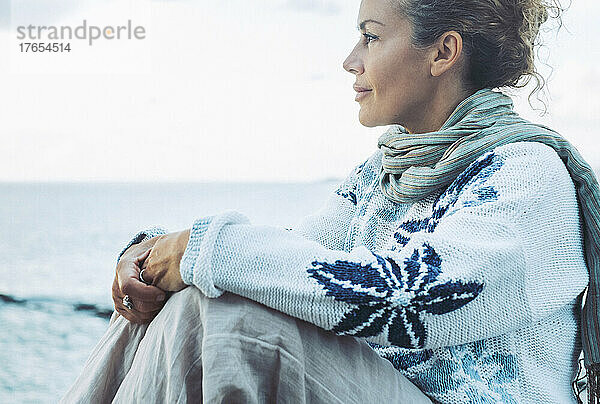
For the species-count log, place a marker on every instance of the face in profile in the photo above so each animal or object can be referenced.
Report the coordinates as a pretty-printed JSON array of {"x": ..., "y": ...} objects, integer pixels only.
[{"x": 394, "y": 75}]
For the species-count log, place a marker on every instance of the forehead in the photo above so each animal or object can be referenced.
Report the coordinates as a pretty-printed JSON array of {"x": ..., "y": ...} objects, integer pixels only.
[{"x": 376, "y": 12}]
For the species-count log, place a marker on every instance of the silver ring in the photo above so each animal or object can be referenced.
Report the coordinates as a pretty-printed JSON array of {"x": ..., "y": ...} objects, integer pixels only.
[
  {"x": 127, "y": 302},
  {"x": 142, "y": 278}
]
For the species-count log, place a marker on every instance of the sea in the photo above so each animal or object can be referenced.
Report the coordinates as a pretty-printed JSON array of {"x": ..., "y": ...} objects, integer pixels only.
[{"x": 58, "y": 248}]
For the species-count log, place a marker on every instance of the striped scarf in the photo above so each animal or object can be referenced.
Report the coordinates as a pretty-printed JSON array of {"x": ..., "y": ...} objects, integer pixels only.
[{"x": 417, "y": 165}]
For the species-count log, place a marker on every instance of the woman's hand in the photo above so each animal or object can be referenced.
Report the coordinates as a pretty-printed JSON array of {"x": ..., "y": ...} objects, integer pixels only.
[
  {"x": 146, "y": 300},
  {"x": 161, "y": 268}
]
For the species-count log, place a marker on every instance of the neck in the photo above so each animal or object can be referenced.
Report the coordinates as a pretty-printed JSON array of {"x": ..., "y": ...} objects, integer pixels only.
[{"x": 442, "y": 102}]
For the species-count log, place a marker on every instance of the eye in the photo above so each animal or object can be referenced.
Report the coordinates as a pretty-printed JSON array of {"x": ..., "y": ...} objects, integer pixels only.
[{"x": 368, "y": 38}]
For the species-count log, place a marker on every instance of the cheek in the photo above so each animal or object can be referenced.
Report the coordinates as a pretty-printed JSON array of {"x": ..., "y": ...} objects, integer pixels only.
[
  {"x": 390, "y": 85},
  {"x": 389, "y": 73},
  {"x": 402, "y": 78}
]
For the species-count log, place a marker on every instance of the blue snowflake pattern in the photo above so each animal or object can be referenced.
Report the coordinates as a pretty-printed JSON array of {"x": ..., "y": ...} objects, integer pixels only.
[
  {"x": 471, "y": 372},
  {"x": 469, "y": 187},
  {"x": 349, "y": 194},
  {"x": 348, "y": 190},
  {"x": 364, "y": 203},
  {"x": 388, "y": 295}
]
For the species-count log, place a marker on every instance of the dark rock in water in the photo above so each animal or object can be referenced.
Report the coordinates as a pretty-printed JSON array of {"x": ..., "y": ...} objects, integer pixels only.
[
  {"x": 85, "y": 307},
  {"x": 43, "y": 305},
  {"x": 106, "y": 314},
  {"x": 102, "y": 313},
  {"x": 10, "y": 299}
]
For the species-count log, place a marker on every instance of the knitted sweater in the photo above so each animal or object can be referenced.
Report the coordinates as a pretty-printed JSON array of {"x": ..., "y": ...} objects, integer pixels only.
[{"x": 473, "y": 293}]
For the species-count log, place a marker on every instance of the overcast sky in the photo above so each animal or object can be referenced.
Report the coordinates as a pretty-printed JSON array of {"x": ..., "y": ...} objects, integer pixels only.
[{"x": 228, "y": 90}]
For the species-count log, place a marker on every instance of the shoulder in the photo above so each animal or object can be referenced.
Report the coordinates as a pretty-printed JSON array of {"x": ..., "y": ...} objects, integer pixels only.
[
  {"x": 537, "y": 167},
  {"x": 513, "y": 179},
  {"x": 534, "y": 152},
  {"x": 528, "y": 166}
]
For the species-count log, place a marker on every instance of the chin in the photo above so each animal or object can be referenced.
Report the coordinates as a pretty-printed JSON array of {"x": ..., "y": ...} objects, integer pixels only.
[
  {"x": 366, "y": 120},
  {"x": 369, "y": 120}
]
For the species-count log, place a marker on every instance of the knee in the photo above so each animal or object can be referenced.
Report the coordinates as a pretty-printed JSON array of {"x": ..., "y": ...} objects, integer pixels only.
[
  {"x": 228, "y": 316},
  {"x": 238, "y": 318},
  {"x": 184, "y": 303}
]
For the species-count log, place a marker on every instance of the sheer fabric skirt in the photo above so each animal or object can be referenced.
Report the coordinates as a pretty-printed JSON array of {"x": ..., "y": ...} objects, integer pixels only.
[{"x": 233, "y": 350}]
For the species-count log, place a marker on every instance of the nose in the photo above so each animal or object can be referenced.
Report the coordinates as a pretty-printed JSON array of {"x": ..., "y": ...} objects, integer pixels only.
[{"x": 353, "y": 63}]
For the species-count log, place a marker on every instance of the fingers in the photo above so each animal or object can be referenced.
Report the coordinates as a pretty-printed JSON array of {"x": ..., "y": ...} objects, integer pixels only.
[
  {"x": 137, "y": 249},
  {"x": 140, "y": 306},
  {"x": 146, "y": 307},
  {"x": 130, "y": 284},
  {"x": 139, "y": 260},
  {"x": 141, "y": 313},
  {"x": 147, "y": 300},
  {"x": 146, "y": 277},
  {"x": 134, "y": 316},
  {"x": 139, "y": 291}
]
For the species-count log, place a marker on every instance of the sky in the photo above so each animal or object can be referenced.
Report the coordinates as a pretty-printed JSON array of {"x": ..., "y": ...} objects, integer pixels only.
[{"x": 229, "y": 90}]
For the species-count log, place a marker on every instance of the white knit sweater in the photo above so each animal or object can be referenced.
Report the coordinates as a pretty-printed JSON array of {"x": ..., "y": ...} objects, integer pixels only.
[{"x": 472, "y": 293}]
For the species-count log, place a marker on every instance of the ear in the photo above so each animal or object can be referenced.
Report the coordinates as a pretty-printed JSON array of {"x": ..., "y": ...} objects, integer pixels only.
[{"x": 446, "y": 52}]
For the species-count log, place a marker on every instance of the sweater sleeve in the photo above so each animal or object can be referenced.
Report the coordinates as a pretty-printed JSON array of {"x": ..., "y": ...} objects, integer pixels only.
[{"x": 500, "y": 248}]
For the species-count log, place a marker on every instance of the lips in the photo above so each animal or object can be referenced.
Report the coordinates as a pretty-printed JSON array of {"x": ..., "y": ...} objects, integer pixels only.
[
  {"x": 360, "y": 89},
  {"x": 361, "y": 92}
]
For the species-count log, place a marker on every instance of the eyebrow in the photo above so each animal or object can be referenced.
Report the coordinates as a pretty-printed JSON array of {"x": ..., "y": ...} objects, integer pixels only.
[{"x": 361, "y": 26}]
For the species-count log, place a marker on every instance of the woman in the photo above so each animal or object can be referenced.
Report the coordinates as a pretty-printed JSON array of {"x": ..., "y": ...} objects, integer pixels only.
[{"x": 454, "y": 251}]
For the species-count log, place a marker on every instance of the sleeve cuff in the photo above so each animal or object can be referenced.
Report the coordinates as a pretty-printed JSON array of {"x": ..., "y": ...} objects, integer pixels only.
[
  {"x": 143, "y": 236},
  {"x": 195, "y": 264}
]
